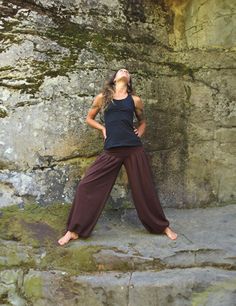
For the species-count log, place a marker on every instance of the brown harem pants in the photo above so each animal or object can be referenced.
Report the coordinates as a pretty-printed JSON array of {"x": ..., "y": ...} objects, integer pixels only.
[{"x": 93, "y": 190}]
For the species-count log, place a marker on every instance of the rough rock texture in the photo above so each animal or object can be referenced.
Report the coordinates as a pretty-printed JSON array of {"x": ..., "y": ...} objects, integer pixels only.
[
  {"x": 54, "y": 58},
  {"x": 121, "y": 263}
]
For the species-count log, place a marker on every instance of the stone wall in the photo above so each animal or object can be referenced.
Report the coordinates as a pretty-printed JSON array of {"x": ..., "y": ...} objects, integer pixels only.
[
  {"x": 54, "y": 58},
  {"x": 204, "y": 38}
]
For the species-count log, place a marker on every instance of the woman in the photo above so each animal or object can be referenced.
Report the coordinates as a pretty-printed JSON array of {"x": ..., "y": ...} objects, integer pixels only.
[{"x": 122, "y": 145}]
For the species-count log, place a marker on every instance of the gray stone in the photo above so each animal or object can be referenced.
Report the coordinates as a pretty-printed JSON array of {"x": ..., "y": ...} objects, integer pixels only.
[
  {"x": 10, "y": 282},
  {"x": 133, "y": 244},
  {"x": 172, "y": 287},
  {"x": 54, "y": 58},
  {"x": 157, "y": 288},
  {"x": 121, "y": 263},
  {"x": 210, "y": 24},
  {"x": 15, "y": 254}
]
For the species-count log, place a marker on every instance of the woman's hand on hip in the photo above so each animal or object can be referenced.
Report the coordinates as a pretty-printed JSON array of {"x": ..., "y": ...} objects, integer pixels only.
[
  {"x": 104, "y": 133},
  {"x": 136, "y": 131}
]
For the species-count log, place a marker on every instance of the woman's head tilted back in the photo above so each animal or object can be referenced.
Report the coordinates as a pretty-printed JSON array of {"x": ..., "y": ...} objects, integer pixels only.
[{"x": 121, "y": 75}]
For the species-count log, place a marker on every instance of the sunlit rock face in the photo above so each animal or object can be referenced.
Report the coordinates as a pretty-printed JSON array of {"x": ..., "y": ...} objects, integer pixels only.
[
  {"x": 203, "y": 34},
  {"x": 54, "y": 58}
]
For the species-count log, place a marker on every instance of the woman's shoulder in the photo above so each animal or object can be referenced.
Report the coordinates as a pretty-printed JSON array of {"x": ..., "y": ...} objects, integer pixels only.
[
  {"x": 99, "y": 96},
  {"x": 98, "y": 99},
  {"x": 137, "y": 100}
]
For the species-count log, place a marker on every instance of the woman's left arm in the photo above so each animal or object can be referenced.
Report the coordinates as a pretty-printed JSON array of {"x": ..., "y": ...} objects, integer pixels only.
[{"x": 139, "y": 112}]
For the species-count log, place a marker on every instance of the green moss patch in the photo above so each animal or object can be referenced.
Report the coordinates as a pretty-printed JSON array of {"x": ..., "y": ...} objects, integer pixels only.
[
  {"x": 72, "y": 259},
  {"x": 33, "y": 286},
  {"x": 34, "y": 225},
  {"x": 40, "y": 227},
  {"x": 217, "y": 291}
]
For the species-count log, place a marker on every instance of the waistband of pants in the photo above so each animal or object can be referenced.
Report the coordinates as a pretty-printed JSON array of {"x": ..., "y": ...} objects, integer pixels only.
[{"x": 123, "y": 149}]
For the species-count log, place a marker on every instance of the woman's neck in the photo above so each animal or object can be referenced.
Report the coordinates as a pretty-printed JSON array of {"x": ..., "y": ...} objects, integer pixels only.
[{"x": 120, "y": 89}]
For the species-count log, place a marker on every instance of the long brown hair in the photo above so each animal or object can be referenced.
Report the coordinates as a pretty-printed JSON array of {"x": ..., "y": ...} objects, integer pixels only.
[{"x": 109, "y": 90}]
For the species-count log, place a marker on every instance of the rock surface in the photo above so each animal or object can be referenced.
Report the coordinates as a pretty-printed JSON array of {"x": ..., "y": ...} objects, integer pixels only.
[
  {"x": 120, "y": 263},
  {"x": 54, "y": 58}
]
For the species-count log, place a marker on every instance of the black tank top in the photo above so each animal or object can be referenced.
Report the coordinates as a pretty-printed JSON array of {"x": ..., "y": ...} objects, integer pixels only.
[{"x": 118, "y": 118}]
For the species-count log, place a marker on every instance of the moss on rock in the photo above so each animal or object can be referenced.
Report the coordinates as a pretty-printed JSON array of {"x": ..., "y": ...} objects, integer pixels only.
[
  {"x": 33, "y": 285},
  {"x": 71, "y": 259},
  {"x": 40, "y": 227},
  {"x": 215, "y": 292},
  {"x": 34, "y": 225}
]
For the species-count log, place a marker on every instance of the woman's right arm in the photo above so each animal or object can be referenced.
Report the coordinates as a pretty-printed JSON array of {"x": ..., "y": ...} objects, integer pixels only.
[{"x": 93, "y": 111}]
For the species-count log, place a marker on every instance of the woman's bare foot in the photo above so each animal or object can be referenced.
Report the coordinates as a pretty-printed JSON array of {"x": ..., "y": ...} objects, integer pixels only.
[
  {"x": 67, "y": 237},
  {"x": 171, "y": 234}
]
